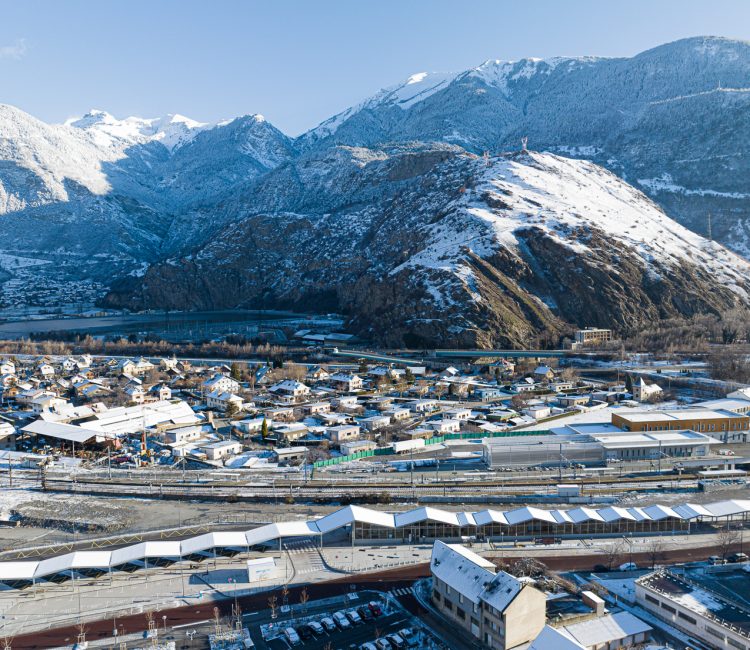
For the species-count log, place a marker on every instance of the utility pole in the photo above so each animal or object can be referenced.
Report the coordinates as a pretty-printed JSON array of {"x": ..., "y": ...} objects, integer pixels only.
[
  {"x": 659, "y": 456},
  {"x": 709, "y": 235}
]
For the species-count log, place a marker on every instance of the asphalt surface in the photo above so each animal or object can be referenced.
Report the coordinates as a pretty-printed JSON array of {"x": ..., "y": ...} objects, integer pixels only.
[{"x": 379, "y": 581}]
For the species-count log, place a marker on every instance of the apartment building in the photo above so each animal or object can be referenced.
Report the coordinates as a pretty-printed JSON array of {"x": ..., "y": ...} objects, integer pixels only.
[{"x": 496, "y": 609}]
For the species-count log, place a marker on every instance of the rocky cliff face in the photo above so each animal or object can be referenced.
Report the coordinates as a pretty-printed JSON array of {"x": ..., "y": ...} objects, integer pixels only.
[{"x": 430, "y": 245}]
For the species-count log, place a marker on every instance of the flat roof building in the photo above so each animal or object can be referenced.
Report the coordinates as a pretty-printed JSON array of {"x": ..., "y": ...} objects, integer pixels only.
[
  {"x": 721, "y": 424},
  {"x": 703, "y": 613}
]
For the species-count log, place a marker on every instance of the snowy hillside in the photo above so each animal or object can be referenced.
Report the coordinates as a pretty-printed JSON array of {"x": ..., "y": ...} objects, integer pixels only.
[
  {"x": 434, "y": 246},
  {"x": 100, "y": 197},
  {"x": 672, "y": 120}
]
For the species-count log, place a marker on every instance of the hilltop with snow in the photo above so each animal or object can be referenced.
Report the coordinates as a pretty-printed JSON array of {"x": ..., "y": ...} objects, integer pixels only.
[
  {"x": 513, "y": 245},
  {"x": 431, "y": 246}
]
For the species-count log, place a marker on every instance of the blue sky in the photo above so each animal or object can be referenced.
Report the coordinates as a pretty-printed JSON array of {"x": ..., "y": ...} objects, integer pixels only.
[{"x": 299, "y": 62}]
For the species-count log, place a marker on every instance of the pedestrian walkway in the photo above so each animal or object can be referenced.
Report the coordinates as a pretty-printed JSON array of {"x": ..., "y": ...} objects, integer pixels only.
[
  {"x": 305, "y": 556},
  {"x": 403, "y": 591}
]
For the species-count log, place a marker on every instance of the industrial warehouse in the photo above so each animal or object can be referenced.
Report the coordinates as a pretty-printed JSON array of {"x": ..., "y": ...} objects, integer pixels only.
[
  {"x": 363, "y": 525},
  {"x": 592, "y": 445}
]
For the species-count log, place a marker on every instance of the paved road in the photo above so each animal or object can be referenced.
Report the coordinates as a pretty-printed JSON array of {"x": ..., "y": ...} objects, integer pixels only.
[{"x": 395, "y": 579}]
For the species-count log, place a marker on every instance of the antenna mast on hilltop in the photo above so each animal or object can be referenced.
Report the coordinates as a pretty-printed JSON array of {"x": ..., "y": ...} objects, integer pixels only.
[
  {"x": 709, "y": 235},
  {"x": 524, "y": 142}
]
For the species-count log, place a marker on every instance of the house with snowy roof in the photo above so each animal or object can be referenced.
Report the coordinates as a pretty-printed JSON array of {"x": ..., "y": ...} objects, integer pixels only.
[{"x": 494, "y": 607}]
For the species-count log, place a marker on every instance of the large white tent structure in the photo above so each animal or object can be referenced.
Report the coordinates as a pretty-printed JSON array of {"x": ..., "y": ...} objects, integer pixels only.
[{"x": 365, "y": 524}]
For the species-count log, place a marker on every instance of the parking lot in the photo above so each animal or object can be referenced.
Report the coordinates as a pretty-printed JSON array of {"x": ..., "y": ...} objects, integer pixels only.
[{"x": 385, "y": 617}]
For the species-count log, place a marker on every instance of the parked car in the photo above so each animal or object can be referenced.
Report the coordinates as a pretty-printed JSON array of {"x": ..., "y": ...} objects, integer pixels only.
[
  {"x": 317, "y": 629},
  {"x": 304, "y": 632},
  {"x": 396, "y": 641},
  {"x": 737, "y": 557},
  {"x": 291, "y": 636},
  {"x": 374, "y": 608},
  {"x": 410, "y": 636},
  {"x": 383, "y": 644},
  {"x": 328, "y": 624},
  {"x": 341, "y": 620},
  {"x": 353, "y": 616},
  {"x": 365, "y": 613},
  {"x": 368, "y": 646},
  {"x": 715, "y": 559}
]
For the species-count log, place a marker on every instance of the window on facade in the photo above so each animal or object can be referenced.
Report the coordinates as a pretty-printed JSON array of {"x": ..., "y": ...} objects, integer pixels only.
[
  {"x": 460, "y": 613},
  {"x": 651, "y": 599},
  {"x": 668, "y": 608},
  {"x": 689, "y": 619},
  {"x": 735, "y": 644},
  {"x": 717, "y": 633}
]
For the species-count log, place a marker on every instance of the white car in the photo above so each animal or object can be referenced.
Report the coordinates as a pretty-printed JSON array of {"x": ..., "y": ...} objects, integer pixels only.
[
  {"x": 341, "y": 620},
  {"x": 291, "y": 636},
  {"x": 354, "y": 617}
]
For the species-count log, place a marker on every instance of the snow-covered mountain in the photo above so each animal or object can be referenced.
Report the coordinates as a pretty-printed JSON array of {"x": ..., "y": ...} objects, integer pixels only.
[
  {"x": 108, "y": 195},
  {"x": 674, "y": 121},
  {"x": 431, "y": 245},
  {"x": 99, "y": 198}
]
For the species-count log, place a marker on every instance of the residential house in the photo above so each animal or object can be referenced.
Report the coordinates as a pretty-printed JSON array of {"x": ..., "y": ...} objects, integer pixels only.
[
  {"x": 135, "y": 393},
  {"x": 494, "y": 608},
  {"x": 346, "y": 402},
  {"x": 221, "y": 400},
  {"x": 376, "y": 422},
  {"x": 221, "y": 449},
  {"x": 444, "y": 426},
  {"x": 7, "y": 436},
  {"x": 343, "y": 432},
  {"x": 346, "y": 383},
  {"x": 294, "y": 390},
  {"x": 45, "y": 370},
  {"x": 160, "y": 392},
  {"x": 317, "y": 374},
  {"x": 355, "y": 446},
  {"x": 221, "y": 383}
]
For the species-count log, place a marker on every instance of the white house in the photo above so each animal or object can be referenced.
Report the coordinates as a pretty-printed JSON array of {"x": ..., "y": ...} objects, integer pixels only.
[
  {"x": 221, "y": 449},
  {"x": 376, "y": 422},
  {"x": 135, "y": 393},
  {"x": 160, "y": 392},
  {"x": 46, "y": 370},
  {"x": 291, "y": 388},
  {"x": 221, "y": 400},
  {"x": 538, "y": 411},
  {"x": 221, "y": 383},
  {"x": 445, "y": 426},
  {"x": 347, "y": 383}
]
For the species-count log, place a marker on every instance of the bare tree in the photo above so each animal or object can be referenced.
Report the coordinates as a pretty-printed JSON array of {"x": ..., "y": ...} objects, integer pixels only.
[
  {"x": 613, "y": 553},
  {"x": 272, "y": 605},
  {"x": 303, "y": 598},
  {"x": 725, "y": 539},
  {"x": 656, "y": 550}
]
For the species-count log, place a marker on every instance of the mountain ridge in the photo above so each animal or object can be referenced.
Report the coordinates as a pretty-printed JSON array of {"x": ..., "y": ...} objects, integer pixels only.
[{"x": 98, "y": 197}]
